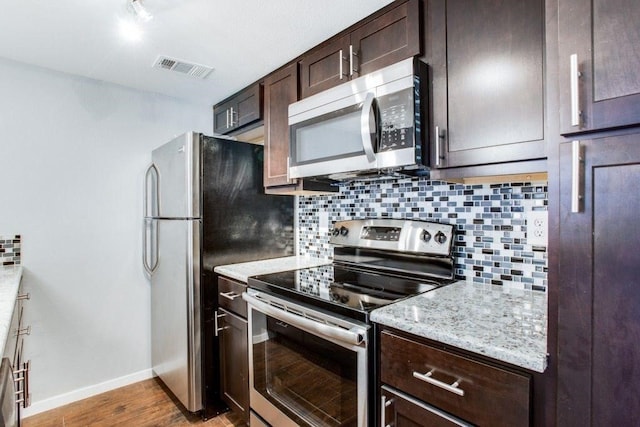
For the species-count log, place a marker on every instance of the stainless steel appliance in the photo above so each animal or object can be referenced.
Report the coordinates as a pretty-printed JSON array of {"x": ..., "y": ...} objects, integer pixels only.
[
  {"x": 204, "y": 206},
  {"x": 365, "y": 127},
  {"x": 8, "y": 406},
  {"x": 311, "y": 341}
]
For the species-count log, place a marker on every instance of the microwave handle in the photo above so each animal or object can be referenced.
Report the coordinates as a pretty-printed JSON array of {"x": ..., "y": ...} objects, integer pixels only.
[{"x": 367, "y": 140}]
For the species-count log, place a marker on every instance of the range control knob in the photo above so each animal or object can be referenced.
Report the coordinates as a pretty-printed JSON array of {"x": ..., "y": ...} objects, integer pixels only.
[
  {"x": 335, "y": 232},
  {"x": 344, "y": 231},
  {"x": 426, "y": 236},
  {"x": 441, "y": 237}
]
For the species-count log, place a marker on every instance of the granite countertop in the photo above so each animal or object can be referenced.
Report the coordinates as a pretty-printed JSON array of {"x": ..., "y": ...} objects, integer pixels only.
[
  {"x": 504, "y": 324},
  {"x": 242, "y": 271},
  {"x": 9, "y": 285}
]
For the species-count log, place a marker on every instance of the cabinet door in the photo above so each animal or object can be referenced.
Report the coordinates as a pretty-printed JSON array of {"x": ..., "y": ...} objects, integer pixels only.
[
  {"x": 324, "y": 67},
  {"x": 605, "y": 37},
  {"x": 234, "y": 364},
  {"x": 248, "y": 107},
  {"x": 400, "y": 410},
  {"x": 598, "y": 286},
  {"x": 387, "y": 39},
  {"x": 488, "y": 96},
  {"x": 221, "y": 118},
  {"x": 280, "y": 90}
]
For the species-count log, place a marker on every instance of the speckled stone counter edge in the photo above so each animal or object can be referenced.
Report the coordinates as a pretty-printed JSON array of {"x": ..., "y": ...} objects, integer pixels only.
[
  {"x": 508, "y": 326},
  {"x": 9, "y": 284}
]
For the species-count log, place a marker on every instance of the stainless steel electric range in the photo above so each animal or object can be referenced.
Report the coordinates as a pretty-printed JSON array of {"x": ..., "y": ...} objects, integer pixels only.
[{"x": 311, "y": 350}]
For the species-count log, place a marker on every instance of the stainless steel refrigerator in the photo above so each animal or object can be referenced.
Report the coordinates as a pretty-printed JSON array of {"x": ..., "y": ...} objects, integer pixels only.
[{"x": 204, "y": 206}]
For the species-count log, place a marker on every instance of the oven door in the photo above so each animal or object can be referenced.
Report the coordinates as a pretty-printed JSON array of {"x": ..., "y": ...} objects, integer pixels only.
[
  {"x": 334, "y": 137},
  {"x": 305, "y": 368}
]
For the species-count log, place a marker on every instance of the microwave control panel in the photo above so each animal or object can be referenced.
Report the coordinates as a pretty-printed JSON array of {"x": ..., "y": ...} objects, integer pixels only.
[{"x": 397, "y": 120}]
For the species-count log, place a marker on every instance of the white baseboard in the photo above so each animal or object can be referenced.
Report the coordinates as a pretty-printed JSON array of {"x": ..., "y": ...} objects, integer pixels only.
[{"x": 83, "y": 393}]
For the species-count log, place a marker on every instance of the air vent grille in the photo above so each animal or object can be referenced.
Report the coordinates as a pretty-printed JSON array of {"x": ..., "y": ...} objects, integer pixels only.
[{"x": 183, "y": 67}]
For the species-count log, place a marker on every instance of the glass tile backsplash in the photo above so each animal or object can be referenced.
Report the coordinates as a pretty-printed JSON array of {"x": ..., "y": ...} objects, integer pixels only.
[
  {"x": 9, "y": 249},
  {"x": 491, "y": 223}
]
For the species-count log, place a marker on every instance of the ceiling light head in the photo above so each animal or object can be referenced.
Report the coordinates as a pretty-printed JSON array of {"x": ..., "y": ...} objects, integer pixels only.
[{"x": 139, "y": 11}]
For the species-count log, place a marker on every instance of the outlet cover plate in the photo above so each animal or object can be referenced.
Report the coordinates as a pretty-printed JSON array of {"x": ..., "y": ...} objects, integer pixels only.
[{"x": 538, "y": 228}]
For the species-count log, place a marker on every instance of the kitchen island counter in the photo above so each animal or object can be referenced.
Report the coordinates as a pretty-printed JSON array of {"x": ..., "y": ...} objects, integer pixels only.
[
  {"x": 242, "y": 271},
  {"x": 505, "y": 324},
  {"x": 9, "y": 284}
]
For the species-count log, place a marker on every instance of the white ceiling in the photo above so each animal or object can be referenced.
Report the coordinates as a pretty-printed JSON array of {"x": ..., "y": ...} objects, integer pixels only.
[{"x": 242, "y": 40}]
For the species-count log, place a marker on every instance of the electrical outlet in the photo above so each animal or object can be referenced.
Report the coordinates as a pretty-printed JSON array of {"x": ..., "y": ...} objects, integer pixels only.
[{"x": 537, "y": 228}]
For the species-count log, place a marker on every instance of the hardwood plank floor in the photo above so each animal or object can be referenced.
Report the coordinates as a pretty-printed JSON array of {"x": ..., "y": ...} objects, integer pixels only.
[{"x": 143, "y": 404}]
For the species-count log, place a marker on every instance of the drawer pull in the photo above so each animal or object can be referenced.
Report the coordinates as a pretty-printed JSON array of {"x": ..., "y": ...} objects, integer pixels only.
[
  {"x": 453, "y": 388},
  {"x": 24, "y": 296},
  {"x": 229, "y": 295}
]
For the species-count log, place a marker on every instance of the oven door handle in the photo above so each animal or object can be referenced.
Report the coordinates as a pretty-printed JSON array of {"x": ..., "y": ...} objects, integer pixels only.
[{"x": 355, "y": 336}]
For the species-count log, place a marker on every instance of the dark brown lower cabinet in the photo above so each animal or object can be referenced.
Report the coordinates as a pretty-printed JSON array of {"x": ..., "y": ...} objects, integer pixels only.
[
  {"x": 401, "y": 410},
  {"x": 232, "y": 333},
  {"x": 463, "y": 389},
  {"x": 599, "y": 283}
]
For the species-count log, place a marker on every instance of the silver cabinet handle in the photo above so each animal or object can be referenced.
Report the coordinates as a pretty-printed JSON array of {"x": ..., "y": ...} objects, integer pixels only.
[
  {"x": 231, "y": 119},
  {"x": 340, "y": 66},
  {"x": 226, "y": 113},
  {"x": 576, "y": 187},
  {"x": 453, "y": 388},
  {"x": 383, "y": 411},
  {"x": 438, "y": 137},
  {"x": 217, "y": 316},
  {"x": 365, "y": 130},
  {"x": 351, "y": 55},
  {"x": 229, "y": 295},
  {"x": 575, "y": 90},
  {"x": 22, "y": 376},
  {"x": 24, "y": 296},
  {"x": 23, "y": 331}
]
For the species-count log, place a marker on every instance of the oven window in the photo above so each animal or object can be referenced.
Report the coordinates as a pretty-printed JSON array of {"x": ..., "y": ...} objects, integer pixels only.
[{"x": 310, "y": 379}]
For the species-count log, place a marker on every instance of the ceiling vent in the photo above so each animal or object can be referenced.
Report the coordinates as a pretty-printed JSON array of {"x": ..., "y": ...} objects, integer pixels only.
[{"x": 171, "y": 64}]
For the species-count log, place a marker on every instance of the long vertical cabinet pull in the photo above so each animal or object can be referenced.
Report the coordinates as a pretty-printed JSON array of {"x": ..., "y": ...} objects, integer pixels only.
[
  {"x": 383, "y": 411},
  {"x": 340, "y": 65},
  {"x": 438, "y": 137},
  {"x": 575, "y": 90},
  {"x": 351, "y": 55},
  {"x": 577, "y": 161}
]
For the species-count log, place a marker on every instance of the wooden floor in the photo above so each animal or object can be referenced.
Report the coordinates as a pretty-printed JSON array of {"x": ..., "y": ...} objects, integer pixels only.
[{"x": 138, "y": 405}]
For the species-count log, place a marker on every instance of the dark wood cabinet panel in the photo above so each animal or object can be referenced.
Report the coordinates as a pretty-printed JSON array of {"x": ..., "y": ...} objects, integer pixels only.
[
  {"x": 598, "y": 292},
  {"x": 324, "y": 67},
  {"x": 376, "y": 43},
  {"x": 605, "y": 37},
  {"x": 401, "y": 410},
  {"x": 280, "y": 90},
  {"x": 482, "y": 390},
  {"x": 234, "y": 363},
  {"x": 387, "y": 39},
  {"x": 487, "y": 61},
  {"x": 239, "y": 111}
]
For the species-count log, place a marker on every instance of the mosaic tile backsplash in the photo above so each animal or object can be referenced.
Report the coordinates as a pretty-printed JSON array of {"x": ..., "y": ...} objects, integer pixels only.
[
  {"x": 491, "y": 223},
  {"x": 10, "y": 250}
]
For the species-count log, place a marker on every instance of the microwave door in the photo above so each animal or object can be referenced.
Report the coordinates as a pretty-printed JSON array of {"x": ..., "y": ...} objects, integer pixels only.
[{"x": 330, "y": 138}]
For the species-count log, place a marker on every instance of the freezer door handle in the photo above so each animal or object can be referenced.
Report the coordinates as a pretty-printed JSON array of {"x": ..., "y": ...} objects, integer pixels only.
[
  {"x": 150, "y": 227},
  {"x": 155, "y": 201}
]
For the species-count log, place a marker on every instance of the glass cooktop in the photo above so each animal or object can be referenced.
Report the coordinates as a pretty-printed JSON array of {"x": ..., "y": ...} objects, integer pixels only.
[{"x": 347, "y": 291}]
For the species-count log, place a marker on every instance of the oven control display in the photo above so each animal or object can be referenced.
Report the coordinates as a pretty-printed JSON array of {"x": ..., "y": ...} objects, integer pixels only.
[{"x": 387, "y": 234}]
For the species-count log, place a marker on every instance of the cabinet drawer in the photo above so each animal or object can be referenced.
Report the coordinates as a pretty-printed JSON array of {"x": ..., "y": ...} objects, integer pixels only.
[
  {"x": 230, "y": 296},
  {"x": 483, "y": 395}
]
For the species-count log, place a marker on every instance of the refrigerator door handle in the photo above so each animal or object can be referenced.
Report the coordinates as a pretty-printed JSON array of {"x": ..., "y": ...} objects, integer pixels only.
[
  {"x": 150, "y": 227},
  {"x": 155, "y": 208}
]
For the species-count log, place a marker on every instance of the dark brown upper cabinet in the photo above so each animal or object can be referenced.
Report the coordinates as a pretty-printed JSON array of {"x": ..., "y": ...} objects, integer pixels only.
[
  {"x": 376, "y": 43},
  {"x": 599, "y": 54},
  {"x": 488, "y": 67},
  {"x": 239, "y": 111},
  {"x": 597, "y": 286},
  {"x": 280, "y": 90}
]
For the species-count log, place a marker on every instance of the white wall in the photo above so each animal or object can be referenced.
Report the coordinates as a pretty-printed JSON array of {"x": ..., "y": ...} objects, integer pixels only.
[{"x": 72, "y": 157}]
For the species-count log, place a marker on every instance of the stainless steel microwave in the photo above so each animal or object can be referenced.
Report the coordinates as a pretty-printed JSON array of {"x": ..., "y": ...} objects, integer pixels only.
[{"x": 368, "y": 127}]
